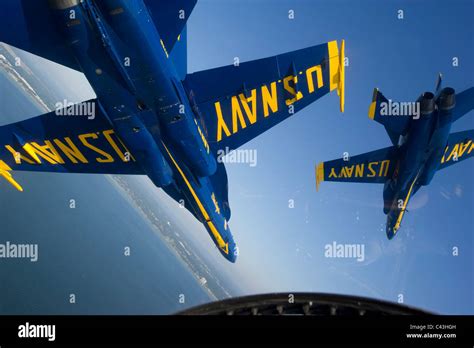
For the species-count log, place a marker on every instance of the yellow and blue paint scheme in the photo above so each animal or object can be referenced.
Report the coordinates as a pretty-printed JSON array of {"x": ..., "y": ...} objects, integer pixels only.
[
  {"x": 421, "y": 146},
  {"x": 150, "y": 116}
]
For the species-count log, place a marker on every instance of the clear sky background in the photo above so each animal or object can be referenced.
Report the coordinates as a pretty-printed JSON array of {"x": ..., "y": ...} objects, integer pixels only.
[{"x": 282, "y": 249}]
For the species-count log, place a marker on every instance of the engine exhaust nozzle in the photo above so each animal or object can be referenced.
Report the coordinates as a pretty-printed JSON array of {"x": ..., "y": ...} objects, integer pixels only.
[
  {"x": 427, "y": 103},
  {"x": 447, "y": 99}
]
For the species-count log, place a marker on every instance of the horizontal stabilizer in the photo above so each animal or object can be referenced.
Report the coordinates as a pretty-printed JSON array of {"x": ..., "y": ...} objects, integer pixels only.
[
  {"x": 371, "y": 167},
  {"x": 237, "y": 103},
  {"x": 464, "y": 103}
]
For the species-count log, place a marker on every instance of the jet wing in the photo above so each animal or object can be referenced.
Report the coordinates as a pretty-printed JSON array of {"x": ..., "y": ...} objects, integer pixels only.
[
  {"x": 62, "y": 141},
  {"x": 372, "y": 167},
  {"x": 464, "y": 103},
  {"x": 237, "y": 103},
  {"x": 459, "y": 148},
  {"x": 27, "y": 25}
]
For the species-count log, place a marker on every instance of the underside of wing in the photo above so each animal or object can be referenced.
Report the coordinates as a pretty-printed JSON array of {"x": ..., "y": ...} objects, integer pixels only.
[
  {"x": 372, "y": 167},
  {"x": 464, "y": 103},
  {"x": 69, "y": 140},
  {"x": 237, "y": 103},
  {"x": 459, "y": 148}
]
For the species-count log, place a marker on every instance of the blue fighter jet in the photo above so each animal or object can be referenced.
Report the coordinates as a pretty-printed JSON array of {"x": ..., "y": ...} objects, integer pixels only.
[
  {"x": 422, "y": 145},
  {"x": 150, "y": 116}
]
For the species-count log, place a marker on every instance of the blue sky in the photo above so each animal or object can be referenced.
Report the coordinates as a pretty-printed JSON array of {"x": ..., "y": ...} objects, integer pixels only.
[{"x": 282, "y": 249}]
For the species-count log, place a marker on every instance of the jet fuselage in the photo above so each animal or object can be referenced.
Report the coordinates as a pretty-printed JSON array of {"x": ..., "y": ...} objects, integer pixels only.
[
  {"x": 121, "y": 54},
  {"x": 420, "y": 154}
]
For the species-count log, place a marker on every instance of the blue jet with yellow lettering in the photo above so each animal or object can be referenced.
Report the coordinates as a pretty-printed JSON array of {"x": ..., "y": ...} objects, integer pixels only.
[
  {"x": 150, "y": 116},
  {"x": 422, "y": 145}
]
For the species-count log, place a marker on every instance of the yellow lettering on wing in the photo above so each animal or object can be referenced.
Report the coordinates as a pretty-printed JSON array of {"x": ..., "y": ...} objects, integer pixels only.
[
  {"x": 471, "y": 148},
  {"x": 445, "y": 150},
  {"x": 47, "y": 152},
  {"x": 237, "y": 115},
  {"x": 269, "y": 100},
  {"x": 221, "y": 126},
  {"x": 309, "y": 77},
  {"x": 16, "y": 153},
  {"x": 332, "y": 174},
  {"x": 107, "y": 135},
  {"x": 453, "y": 153},
  {"x": 251, "y": 113},
  {"x": 359, "y": 171},
  {"x": 242, "y": 105},
  {"x": 458, "y": 151},
  {"x": 126, "y": 149},
  {"x": 349, "y": 171},
  {"x": 70, "y": 150},
  {"x": 55, "y": 151},
  {"x": 30, "y": 150},
  {"x": 463, "y": 148},
  {"x": 385, "y": 165},
  {"x": 372, "y": 171},
  {"x": 106, "y": 157},
  {"x": 291, "y": 90}
]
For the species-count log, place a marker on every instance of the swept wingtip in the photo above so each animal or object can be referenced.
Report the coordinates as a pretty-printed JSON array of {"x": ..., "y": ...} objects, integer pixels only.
[
  {"x": 319, "y": 174},
  {"x": 12, "y": 181},
  {"x": 5, "y": 170},
  {"x": 341, "y": 86},
  {"x": 336, "y": 70}
]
